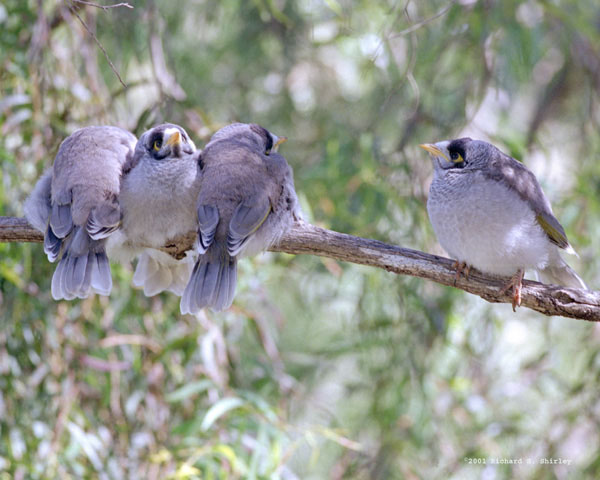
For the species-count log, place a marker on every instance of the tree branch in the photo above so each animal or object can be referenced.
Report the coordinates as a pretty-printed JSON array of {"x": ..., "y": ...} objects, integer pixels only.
[{"x": 305, "y": 238}]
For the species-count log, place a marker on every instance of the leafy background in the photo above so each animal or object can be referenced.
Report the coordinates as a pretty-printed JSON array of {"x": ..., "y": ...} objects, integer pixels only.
[{"x": 320, "y": 369}]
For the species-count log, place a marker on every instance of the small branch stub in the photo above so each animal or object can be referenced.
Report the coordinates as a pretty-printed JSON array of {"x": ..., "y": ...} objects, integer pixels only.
[{"x": 304, "y": 238}]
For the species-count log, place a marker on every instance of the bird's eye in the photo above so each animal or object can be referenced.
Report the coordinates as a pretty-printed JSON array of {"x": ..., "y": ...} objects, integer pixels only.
[
  {"x": 157, "y": 144},
  {"x": 267, "y": 151},
  {"x": 456, "y": 157}
]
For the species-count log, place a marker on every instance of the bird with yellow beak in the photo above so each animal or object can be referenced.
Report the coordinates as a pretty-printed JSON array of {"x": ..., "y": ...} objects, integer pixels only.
[
  {"x": 488, "y": 211},
  {"x": 109, "y": 195}
]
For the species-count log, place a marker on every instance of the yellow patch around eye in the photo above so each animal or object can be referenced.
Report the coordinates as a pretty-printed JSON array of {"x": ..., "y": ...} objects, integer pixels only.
[
  {"x": 459, "y": 159},
  {"x": 156, "y": 145}
]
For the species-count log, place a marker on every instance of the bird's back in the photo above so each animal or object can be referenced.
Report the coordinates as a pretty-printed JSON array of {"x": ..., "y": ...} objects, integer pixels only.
[{"x": 231, "y": 173}]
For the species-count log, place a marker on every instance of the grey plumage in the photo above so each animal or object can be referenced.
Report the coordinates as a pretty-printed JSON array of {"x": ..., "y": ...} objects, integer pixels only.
[
  {"x": 246, "y": 203},
  {"x": 39, "y": 204},
  {"x": 107, "y": 192},
  {"x": 83, "y": 184},
  {"x": 489, "y": 211},
  {"x": 158, "y": 196}
]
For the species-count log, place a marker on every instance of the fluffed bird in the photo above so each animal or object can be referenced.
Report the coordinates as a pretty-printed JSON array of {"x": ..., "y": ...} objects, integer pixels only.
[
  {"x": 103, "y": 193},
  {"x": 75, "y": 204},
  {"x": 246, "y": 203},
  {"x": 488, "y": 211},
  {"x": 158, "y": 203}
]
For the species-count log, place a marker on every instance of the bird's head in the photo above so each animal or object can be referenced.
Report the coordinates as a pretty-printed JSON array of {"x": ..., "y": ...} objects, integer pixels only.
[
  {"x": 461, "y": 153},
  {"x": 249, "y": 133},
  {"x": 164, "y": 142}
]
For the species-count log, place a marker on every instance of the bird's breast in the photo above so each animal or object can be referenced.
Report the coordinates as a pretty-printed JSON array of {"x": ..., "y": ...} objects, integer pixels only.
[
  {"x": 485, "y": 224},
  {"x": 159, "y": 203}
]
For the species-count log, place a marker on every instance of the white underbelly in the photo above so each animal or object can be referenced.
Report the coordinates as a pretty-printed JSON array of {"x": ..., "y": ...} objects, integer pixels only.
[{"x": 490, "y": 228}]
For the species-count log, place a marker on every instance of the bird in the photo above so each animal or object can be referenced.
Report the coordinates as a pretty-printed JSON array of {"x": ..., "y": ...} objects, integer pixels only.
[
  {"x": 489, "y": 211},
  {"x": 109, "y": 192},
  {"x": 158, "y": 195},
  {"x": 247, "y": 201}
]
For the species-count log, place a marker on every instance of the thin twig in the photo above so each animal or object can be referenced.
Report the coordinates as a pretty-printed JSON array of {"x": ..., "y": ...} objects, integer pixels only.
[
  {"x": 304, "y": 238},
  {"x": 103, "y": 7},
  {"x": 424, "y": 22},
  {"x": 114, "y": 69}
]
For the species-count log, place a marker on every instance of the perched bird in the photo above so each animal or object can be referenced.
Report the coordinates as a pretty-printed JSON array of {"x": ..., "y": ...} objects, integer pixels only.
[
  {"x": 489, "y": 211},
  {"x": 158, "y": 195},
  {"x": 75, "y": 204},
  {"x": 106, "y": 191},
  {"x": 246, "y": 203}
]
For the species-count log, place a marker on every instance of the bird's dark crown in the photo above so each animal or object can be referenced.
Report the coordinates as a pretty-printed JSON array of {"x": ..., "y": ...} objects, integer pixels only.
[
  {"x": 156, "y": 137},
  {"x": 264, "y": 134},
  {"x": 459, "y": 146}
]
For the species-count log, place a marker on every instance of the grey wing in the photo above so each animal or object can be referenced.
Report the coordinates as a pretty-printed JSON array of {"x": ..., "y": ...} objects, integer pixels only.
[
  {"x": 208, "y": 219},
  {"x": 247, "y": 219},
  {"x": 38, "y": 210},
  {"x": 522, "y": 180}
]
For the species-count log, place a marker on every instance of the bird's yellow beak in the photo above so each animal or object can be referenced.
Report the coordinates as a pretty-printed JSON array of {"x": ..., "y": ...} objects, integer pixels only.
[
  {"x": 174, "y": 139},
  {"x": 279, "y": 141},
  {"x": 433, "y": 150}
]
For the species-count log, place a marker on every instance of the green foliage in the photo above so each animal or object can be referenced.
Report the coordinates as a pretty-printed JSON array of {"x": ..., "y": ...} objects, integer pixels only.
[{"x": 320, "y": 369}]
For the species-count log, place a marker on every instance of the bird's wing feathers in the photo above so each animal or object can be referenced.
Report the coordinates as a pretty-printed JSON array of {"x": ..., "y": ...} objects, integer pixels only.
[
  {"x": 104, "y": 219},
  {"x": 61, "y": 220},
  {"x": 208, "y": 219},
  {"x": 553, "y": 229},
  {"x": 247, "y": 218},
  {"x": 517, "y": 177}
]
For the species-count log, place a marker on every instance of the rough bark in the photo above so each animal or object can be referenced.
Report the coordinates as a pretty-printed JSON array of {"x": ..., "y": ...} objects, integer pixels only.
[{"x": 305, "y": 238}]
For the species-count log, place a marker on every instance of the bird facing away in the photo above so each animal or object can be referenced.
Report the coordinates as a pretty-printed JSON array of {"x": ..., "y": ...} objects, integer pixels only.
[
  {"x": 85, "y": 205},
  {"x": 246, "y": 203},
  {"x": 489, "y": 211}
]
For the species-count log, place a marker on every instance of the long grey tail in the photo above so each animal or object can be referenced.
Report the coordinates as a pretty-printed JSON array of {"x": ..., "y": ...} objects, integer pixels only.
[
  {"x": 212, "y": 283},
  {"x": 562, "y": 274},
  {"x": 82, "y": 268}
]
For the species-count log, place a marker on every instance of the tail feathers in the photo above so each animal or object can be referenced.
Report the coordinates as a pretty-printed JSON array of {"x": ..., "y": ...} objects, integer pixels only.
[
  {"x": 157, "y": 271},
  {"x": 212, "y": 284},
  {"x": 82, "y": 269},
  {"x": 562, "y": 274},
  {"x": 78, "y": 276},
  {"x": 52, "y": 244},
  {"x": 101, "y": 278},
  {"x": 76, "y": 239}
]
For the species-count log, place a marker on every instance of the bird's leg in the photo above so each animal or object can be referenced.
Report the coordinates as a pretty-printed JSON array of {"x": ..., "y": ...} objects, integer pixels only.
[
  {"x": 461, "y": 267},
  {"x": 516, "y": 282},
  {"x": 467, "y": 271}
]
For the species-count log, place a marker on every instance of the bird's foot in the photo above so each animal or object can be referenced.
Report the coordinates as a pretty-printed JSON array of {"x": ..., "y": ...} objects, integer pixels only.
[
  {"x": 461, "y": 268},
  {"x": 515, "y": 283}
]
